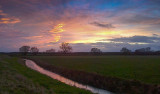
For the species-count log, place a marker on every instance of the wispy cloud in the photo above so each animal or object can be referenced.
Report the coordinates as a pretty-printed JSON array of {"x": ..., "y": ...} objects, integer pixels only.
[
  {"x": 57, "y": 29},
  {"x": 141, "y": 19},
  {"x": 103, "y": 25},
  {"x": 9, "y": 20},
  {"x": 137, "y": 39},
  {"x": 5, "y": 19}
]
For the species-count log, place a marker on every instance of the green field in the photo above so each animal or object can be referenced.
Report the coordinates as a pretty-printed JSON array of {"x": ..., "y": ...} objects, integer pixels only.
[
  {"x": 143, "y": 68},
  {"x": 16, "y": 78}
]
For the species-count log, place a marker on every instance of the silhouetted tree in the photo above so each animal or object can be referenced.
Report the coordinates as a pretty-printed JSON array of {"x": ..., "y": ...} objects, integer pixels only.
[
  {"x": 24, "y": 50},
  {"x": 34, "y": 50},
  {"x": 51, "y": 51},
  {"x": 125, "y": 50},
  {"x": 65, "y": 47},
  {"x": 95, "y": 50},
  {"x": 148, "y": 49}
]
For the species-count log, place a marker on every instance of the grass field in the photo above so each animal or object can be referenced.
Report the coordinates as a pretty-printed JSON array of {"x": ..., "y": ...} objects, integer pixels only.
[
  {"x": 15, "y": 78},
  {"x": 143, "y": 68}
]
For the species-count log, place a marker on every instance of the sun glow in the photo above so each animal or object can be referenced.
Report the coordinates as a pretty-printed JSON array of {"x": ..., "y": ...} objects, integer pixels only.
[
  {"x": 107, "y": 33},
  {"x": 57, "y": 29},
  {"x": 55, "y": 32},
  {"x": 83, "y": 41},
  {"x": 57, "y": 38}
]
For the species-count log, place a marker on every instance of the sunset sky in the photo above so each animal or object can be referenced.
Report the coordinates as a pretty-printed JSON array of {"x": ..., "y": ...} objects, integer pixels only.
[{"x": 105, "y": 24}]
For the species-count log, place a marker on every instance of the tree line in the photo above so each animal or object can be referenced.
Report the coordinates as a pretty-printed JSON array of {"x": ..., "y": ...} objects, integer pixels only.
[
  {"x": 126, "y": 50},
  {"x": 64, "y": 48},
  {"x": 67, "y": 48}
]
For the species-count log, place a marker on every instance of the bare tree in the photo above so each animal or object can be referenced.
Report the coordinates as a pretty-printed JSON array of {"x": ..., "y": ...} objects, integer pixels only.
[
  {"x": 34, "y": 50},
  {"x": 51, "y": 51},
  {"x": 148, "y": 49},
  {"x": 95, "y": 50},
  {"x": 125, "y": 50},
  {"x": 24, "y": 49},
  {"x": 65, "y": 47}
]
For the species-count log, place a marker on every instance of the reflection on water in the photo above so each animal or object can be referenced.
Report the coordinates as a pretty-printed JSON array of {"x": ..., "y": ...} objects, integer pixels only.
[{"x": 34, "y": 66}]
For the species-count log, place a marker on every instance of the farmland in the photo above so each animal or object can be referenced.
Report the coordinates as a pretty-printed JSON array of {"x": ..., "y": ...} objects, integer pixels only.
[
  {"x": 142, "y": 68},
  {"x": 118, "y": 73}
]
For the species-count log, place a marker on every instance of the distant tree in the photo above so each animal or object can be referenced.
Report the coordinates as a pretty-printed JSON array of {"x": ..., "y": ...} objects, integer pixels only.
[
  {"x": 51, "y": 51},
  {"x": 95, "y": 50},
  {"x": 65, "y": 47},
  {"x": 59, "y": 51},
  {"x": 34, "y": 50},
  {"x": 24, "y": 49},
  {"x": 147, "y": 49},
  {"x": 140, "y": 50},
  {"x": 125, "y": 50},
  {"x": 158, "y": 51}
]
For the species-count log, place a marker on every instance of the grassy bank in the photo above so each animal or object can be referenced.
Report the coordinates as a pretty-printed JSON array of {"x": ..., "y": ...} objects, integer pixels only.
[
  {"x": 15, "y": 78},
  {"x": 77, "y": 68}
]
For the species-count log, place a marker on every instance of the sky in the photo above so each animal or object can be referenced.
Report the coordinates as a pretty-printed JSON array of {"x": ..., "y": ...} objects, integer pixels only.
[{"x": 105, "y": 24}]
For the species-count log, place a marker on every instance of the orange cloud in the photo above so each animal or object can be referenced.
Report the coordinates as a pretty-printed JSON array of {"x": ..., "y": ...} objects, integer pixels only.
[
  {"x": 57, "y": 38},
  {"x": 52, "y": 36},
  {"x": 57, "y": 29},
  {"x": 55, "y": 32},
  {"x": 8, "y": 20}
]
